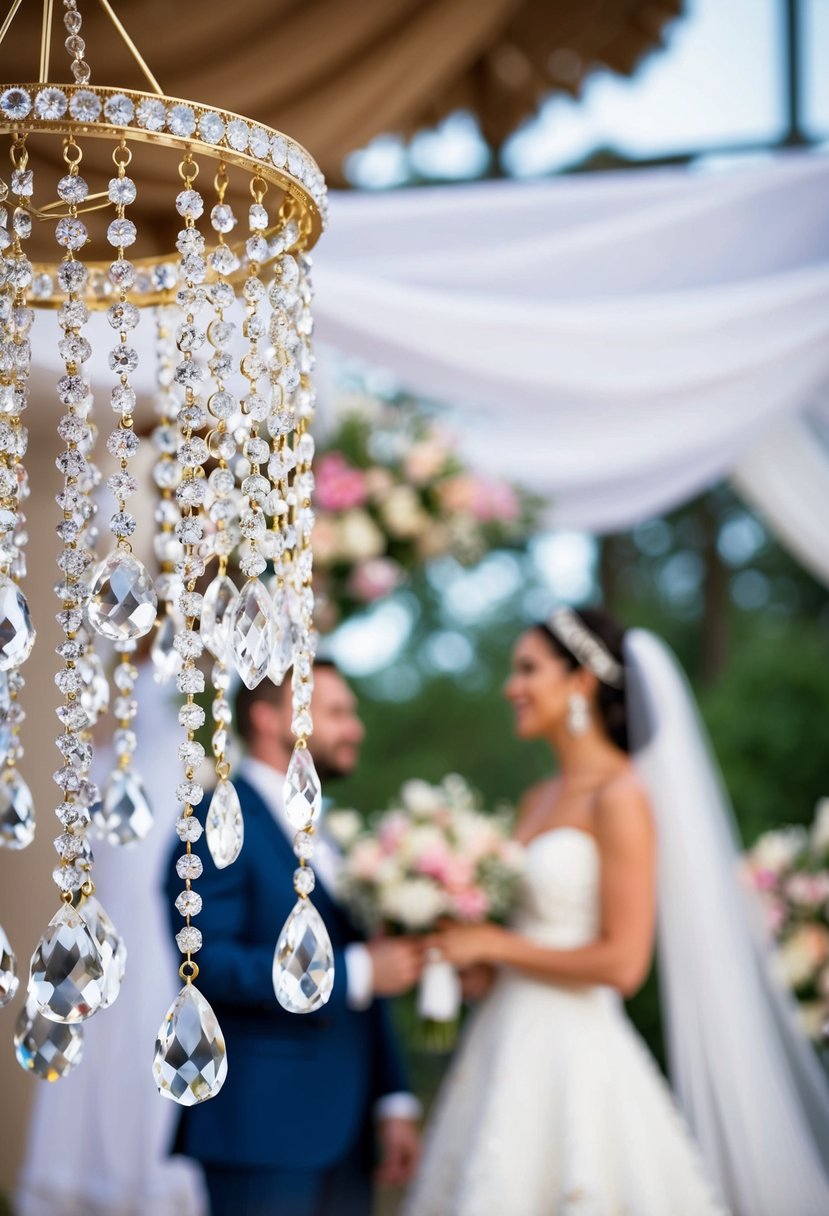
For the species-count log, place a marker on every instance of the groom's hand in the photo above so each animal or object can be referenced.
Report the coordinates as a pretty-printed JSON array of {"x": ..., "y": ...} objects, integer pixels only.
[
  {"x": 399, "y": 1150},
  {"x": 396, "y": 964}
]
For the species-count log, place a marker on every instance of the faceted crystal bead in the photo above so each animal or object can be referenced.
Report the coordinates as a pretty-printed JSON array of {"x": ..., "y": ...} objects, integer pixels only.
[
  {"x": 66, "y": 978},
  {"x": 9, "y": 979},
  {"x": 225, "y": 827},
  {"x": 252, "y": 632},
  {"x": 17, "y": 814},
  {"x": 188, "y": 827},
  {"x": 110, "y": 943},
  {"x": 123, "y": 599},
  {"x": 17, "y": 637},
  {"x": 220, "y": 599},
  {"x": 303, "y": 962},
  {"x": 189, "y": 903},
  {"x": 189, "y": 865},
  {"x": 302, "y": 793},
  {"x": 189, "y": 939},
  {"x": 166, "y": 659},
  {"x": 304, "y": 880},
  {"x": 190, "y": 1063},
  {"x": 46, "y": 1049},
  {"x": 124, "y": 815}
]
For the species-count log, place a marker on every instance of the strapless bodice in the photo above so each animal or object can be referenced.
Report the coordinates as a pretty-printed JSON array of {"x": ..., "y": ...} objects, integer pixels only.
[{"x": 558, "y": 901}]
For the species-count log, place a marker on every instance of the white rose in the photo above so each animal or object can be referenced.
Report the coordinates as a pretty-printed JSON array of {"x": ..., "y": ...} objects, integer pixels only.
[
  {"x": 343, "y": 827},
  {"x": 415, "y": 904},
  {"x": 421, "y": 798},
  {"x": 421, "y": 839},
  {"x": 360, "y": 538},
  {"x": 403, "y": 513},
  {"x": 776, "y": 851}
]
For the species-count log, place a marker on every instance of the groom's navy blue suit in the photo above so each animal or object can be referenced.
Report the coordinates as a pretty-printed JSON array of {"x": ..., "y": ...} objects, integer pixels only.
[{"x": 296, "y": 1104}]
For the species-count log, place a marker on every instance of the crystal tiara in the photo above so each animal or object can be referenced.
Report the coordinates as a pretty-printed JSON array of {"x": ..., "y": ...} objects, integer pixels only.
[{"x": 592, "y": 653}]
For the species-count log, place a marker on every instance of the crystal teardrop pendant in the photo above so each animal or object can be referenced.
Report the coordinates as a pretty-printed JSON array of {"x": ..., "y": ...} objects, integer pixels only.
[
  {"x": 66, "y": 978},
  {"x": 282, "y": 655},
  {"x": 167, "y": 661},
  {"x": 303, "y": 962},
  {"x": 17, "y": 635},
  {"x": 9, "y": 979},
  {"x": 190, "y": 1063},
  {"x": 225, "y": 828},
  {"x": 95, "y": 691},
  {"x": 48, "y": 1050},
  {"x": 123, "y": 599},
  {"x": 123, "y": 816},
  {"x": 17, "y": 812},
  {"x": 220, "y": 599},
  {"x": 302, "y": 792},
  {"x": 252, "y": 632},
  {"x": 110, "y": 943}
]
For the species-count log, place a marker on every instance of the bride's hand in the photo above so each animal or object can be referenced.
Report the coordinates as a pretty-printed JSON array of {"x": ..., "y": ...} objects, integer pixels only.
[
  {"x": 465, "y": 945},
  {"x": 476, "y": 981}
]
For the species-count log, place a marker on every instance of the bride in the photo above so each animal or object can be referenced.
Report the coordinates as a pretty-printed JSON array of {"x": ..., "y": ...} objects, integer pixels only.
[{"x": 553, "y": 1107}]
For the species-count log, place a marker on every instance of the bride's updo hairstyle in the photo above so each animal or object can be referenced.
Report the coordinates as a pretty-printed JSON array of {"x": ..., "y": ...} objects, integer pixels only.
[{"x": 611, "y": 700}]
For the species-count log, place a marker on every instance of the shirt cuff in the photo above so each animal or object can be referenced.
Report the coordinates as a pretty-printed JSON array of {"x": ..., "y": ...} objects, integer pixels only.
[
  {"x": 359, "y": 976},
  {"x": 398, "y": 1106}
]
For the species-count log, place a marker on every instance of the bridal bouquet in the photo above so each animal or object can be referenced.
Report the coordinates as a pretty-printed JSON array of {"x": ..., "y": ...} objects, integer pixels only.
[
  {"x": 434, "y": 854},
  {"x": 789, "y": 869},
  {"x": 391, "y": 493}
]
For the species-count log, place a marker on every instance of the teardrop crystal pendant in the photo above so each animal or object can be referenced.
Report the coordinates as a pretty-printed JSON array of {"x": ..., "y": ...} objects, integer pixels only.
[
  {"x": 123, "y": 599},
  {"x": 224, "y": 826},
  {"x": 48, "y": 1050},
  {"x": 220, "y": 599},
  {"x": 282, "y": 655},
  {"x": 95, "y": 691},
  {"x": 9, "y": 979},
  {"x": 167, "y": 662},
  {"x": 252, "y": 632},
  {"x": 17, "y": 636},
  {"x": 302, "y": 792},
  {"x": 303, "y": 962},
  {"x": 110, "y": 943},
  {"x": 66, "y": 977},
  {"x": 17, "y": 812},
  {"x": 190, "y": 1063},
  {"x": 123, "y": 816}
]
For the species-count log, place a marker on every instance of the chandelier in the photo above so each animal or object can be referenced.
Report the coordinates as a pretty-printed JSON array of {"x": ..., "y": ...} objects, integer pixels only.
[{"x": 230, "y": 307}]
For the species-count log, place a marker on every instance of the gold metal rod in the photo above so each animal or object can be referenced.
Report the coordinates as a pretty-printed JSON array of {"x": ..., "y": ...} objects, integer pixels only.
[
  {"x": 4, "y": 29},
  {"x": 130, "y": 45},
  {"x": 45, "y": 40}
]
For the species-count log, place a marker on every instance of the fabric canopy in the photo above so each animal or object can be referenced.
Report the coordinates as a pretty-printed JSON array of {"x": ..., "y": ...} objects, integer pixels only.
[{"x": 617, "y": 342}]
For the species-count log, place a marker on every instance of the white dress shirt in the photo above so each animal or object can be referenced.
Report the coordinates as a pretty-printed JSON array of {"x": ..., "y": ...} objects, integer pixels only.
[{"x": 327, "y": 863}]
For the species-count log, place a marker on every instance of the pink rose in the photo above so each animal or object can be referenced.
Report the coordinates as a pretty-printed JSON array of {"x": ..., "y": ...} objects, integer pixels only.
[
  {"x": 365, "y": 858},
  {"x": 375, "y": 578},
  {"x": 339, "y": 484},
  {"x": 471, "y": 904},
  {"x": 485, "y": 501},
  {"x": 459, "y": 873},
  {"x": 434, "y": 862},
  {"x": 424, "y": 461},
  {"x": 392, "y": 831}
]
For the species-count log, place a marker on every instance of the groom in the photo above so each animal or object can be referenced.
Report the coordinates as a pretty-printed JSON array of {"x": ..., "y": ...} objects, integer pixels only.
[{"x": 293, "y": 1131}]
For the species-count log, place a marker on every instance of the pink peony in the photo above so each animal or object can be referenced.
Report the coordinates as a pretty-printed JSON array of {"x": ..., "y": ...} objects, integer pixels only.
[
  {"x": 425, "y": 460},
  {"x": 339, "y": 484},
  {"x": 434, "y": 862},
  {"x": 485, "y": 501},
  {"x": 375, "y": 578},
  {"x": 471, "y": 904}
]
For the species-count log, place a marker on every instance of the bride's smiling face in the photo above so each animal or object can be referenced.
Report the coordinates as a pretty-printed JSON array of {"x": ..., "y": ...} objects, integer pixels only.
[{"x": 538, "y": 687}]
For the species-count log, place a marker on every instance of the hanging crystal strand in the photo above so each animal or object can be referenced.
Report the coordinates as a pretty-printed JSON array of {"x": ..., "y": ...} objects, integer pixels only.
[
  {"x": 190, "y": 1062},
  {"x": 74, "y": 44},
  {"x": 167, "y": 475},
  {"x": 253, "y": 628},
  {"x": 66, "y": 979},
  {"x": 224, "y": 823},
  {"x": 303, "y": 964},
  {"x": 17, "y": 822}
]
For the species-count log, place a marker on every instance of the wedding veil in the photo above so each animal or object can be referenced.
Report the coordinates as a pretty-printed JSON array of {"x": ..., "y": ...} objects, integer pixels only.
[{"x": 746, "y": 1078}]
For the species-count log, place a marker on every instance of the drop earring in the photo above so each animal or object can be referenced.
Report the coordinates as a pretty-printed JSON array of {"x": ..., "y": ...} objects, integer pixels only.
[{"x": 578, "y": 714}]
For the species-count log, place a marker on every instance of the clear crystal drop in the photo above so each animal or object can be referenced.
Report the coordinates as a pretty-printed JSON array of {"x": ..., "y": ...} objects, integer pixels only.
[
  {"x": 66, "y": 978},
  {"x": 253, "y": 632},
  {"x": 17, "y": 812},
  {"x": 95, "y": 691},
  {"x": 282, "y": 655},
  {"x": 9, "y": 979},
  {"x": 302, "y": 792},
  {"x": 190, "y": 1063},
  {"x": 48, "y": 1050},
  {"x": 123, "y": 816},
  {"x": 303, "y": 962},
  {"x": 17, "y": 637},
  {"x": 167, "y": 662},
  {"x": 224, "y": 824},
  {"x": 110, "y": 943},
  {"x": 123, "y": 599},
  {"x": 220, "y": 599}
]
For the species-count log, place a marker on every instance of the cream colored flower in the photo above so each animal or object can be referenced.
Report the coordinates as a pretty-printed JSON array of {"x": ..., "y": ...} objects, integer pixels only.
[
  {"x": 403, "y": 513},
  {"x": 343, "y": 826},
  {"x": 421, "y": 798},
  {"x": 820, "y": 830},
  {"x": 326, "y": 540},
  {"x": 416, "y": 903},
  {"x": 360, "y": 538},
  {"x": 776, "y": 851}
]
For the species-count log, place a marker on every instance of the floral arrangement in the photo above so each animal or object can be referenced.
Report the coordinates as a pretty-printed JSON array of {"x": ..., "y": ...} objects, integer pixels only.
[
  {"x": 391, "y": 494},
  {"x": 789, "y": 869},
  {"x": 435, "y": 853}
]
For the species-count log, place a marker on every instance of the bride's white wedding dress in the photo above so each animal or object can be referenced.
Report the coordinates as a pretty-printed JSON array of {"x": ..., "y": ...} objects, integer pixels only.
[{"x": 553, "y": 1105}]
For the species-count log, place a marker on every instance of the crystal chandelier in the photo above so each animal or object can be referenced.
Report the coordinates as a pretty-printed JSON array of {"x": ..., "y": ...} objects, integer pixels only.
[{"x": 230, "y": 309}]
